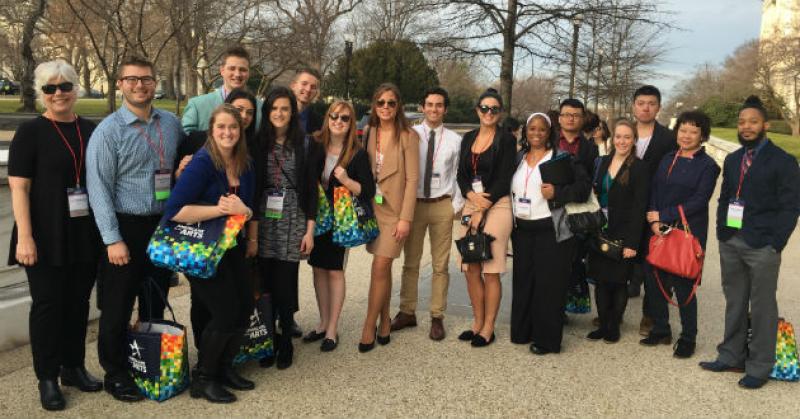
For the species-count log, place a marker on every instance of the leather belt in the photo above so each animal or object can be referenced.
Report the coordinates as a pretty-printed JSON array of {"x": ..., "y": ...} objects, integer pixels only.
[{"x": 432, "y": 200}]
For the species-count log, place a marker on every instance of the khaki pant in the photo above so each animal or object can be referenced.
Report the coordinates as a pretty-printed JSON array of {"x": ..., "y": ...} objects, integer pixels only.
[{"x": 437, "y": 219}]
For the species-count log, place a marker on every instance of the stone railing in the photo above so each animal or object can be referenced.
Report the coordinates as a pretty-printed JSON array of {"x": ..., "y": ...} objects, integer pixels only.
[{"x": 718, "y": 148}]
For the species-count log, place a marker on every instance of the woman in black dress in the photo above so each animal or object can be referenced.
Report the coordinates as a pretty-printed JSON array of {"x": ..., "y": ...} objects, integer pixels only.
[
  {"x": 621, "y": 185},
  {"x": 346, "y": 164},
  {"x": 54, "y": 234}
]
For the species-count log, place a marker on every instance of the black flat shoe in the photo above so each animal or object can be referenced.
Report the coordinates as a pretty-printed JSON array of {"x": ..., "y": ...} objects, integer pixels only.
[
  {"x": 296, "y": 331},
  {"x": 231, "y": 379},
  {"x": 596, "y": 334},
  {"x": 124, "y": 390},
  {"x": 313, "y": 336},
  {"x": 466, "y": 335},
  {"x": 207, "y": 388},
  {"x": 366, "y": 347},
  {"x": 655, "y": 340},
  {"x": 538, "y": 350},
  {"x": 79, "y": 377},
  {"x": 50, "y": 395},
  {"x": 611, "y": 337},
  {"x": 479, "y": 341},
  {"x": 329, "y": 344},
  {"x": 683, "y": 349},
  {"x": 284, "y": 360},
  {"x": 266, "y": 362}
]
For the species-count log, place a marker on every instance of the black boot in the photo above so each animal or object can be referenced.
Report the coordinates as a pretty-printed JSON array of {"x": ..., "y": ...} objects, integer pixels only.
[
  {"x": 79, "y": 377},
  {"x": 206, "y": 383},
  {"x": 285, "y": 351},
  {"x": 50, "y": 395},
  {"x": 210, "y": 389},
  {"x": 228, "y": 375}
]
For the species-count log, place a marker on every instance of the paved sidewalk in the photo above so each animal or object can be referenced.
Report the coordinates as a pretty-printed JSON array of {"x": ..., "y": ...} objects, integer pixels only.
[{"x": 416, "y": 377}]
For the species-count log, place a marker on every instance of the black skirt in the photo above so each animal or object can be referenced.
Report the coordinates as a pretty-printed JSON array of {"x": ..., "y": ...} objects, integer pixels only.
[{"x": 326, "y": 254}]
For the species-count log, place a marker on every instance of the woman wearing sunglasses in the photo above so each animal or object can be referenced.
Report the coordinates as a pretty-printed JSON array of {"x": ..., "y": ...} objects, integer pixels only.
[
  {"x": 485, "y": 168},
  {"x": 55, "y": 237},
  {"x": 346, "y": 164},
  {"x": 393, "y": 149}
]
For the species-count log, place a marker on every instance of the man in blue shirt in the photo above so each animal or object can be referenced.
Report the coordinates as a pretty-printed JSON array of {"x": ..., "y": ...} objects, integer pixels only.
[
  {"x": 129, "y": 163},
  {"x": 759, "y": 203}
]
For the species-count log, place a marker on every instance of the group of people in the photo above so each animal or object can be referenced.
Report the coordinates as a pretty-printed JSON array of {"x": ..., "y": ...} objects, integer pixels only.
[{"x": 86, "y": 200}]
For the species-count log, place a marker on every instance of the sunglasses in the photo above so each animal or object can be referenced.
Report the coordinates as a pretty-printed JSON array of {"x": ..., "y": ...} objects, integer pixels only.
[
  {"x": 493, "y": 109},
  {"x": 344, "y": 118},
  {"x": 381, "y": 103},
  {"x": 50, "y": 89}
]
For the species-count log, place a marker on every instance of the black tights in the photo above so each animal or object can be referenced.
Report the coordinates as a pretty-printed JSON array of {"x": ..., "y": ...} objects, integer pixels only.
[{"x": 611, "y": 300}]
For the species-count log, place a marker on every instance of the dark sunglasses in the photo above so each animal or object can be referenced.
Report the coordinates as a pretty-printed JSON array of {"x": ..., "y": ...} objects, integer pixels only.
[
  {"x": 381, "y": 103},
  {"x": 65, "y": 87},
  {"x": 344, "y": 118},
  {"x": 493, "y": 109}
]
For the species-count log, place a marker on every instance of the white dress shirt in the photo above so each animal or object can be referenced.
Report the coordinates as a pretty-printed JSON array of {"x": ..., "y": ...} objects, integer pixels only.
[
  {"x": 641, "y": 146},
  {"x": 530, "y": 189},
  {"x": 445, "y": 163}
]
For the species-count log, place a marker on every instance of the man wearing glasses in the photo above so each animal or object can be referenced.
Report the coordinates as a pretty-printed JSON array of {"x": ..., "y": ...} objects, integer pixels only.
[
  {"x": 235, "y": 71},
  {"x": 129, "y": 162}
]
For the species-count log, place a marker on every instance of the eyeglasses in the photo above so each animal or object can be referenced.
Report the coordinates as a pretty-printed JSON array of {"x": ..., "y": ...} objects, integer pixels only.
[
  {"x": 572, "y": 115},
  {"x": 133, "y": 80},
  {"x": 381, "y": 103},
  {"x": 493, "y": 109},
  {"x": 248, "y": 112},
  {"x": 50, "y": 89},
  {"x": 344, "y": 118}
]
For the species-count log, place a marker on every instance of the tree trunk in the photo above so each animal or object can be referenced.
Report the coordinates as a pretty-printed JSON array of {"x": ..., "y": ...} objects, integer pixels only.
[
  {"x": 507, "y": 59},
  {"x": 87, "y": 72},
  {"x": 29, "y": 63},
  {"x": 111, "y": 100}
]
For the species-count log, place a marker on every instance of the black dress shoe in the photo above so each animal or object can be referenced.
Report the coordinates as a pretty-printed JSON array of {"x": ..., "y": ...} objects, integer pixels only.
[
  {"x": 266, "y": 362},
  {"x": 284, "y": 359},
  {"x": 466, "y": 335},
  {"x": 596, "y": 334},
  {"x": 79, "y": 377},
  {"x": 50, "y": 395},
  {"x": 231, "y": 379},
  {"x": 654, "y": 340},
  {"x": 683, "y": 349},
  {"x": 313, "y": 336},
  {"x": 329, "y": 344},
  {"x": 538, "y": 350},
  {"x": 612, "y": 337},
  {"x": 205, "y": 387},
  {"x": 479, "y": 341},
  {"x": 124, "y": 390}
]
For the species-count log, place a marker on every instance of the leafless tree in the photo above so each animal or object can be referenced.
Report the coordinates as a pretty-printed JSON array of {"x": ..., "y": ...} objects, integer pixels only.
[
  {"x": 779, "y": 77},
  {"x": 393, "y": 20}
]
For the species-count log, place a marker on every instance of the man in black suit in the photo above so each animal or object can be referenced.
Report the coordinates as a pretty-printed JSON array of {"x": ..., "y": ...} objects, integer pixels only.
[
  {"x": 305, "y": 86},
  {"x": 654, "y": 141}
]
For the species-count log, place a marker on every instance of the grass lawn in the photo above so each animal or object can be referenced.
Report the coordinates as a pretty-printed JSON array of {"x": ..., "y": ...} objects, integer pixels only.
[
  {"x": 786, "y": 142},
  {"x": 85, "y": 107}
]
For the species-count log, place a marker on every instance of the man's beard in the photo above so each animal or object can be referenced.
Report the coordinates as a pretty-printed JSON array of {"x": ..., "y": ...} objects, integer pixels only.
[{"x": 752, "y": 143}]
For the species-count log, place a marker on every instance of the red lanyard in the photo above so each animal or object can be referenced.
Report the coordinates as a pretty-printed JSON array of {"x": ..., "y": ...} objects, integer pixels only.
[
  {"x": 77, "y": 164},
  {"x": 160, "y": 149},
  {"x": 276, "y": 176},
  {"x": 528, "y": 172},
  {"x": 669, "y": 172},
  {"x": 234, "y": 190},
  {"x": 742, "y": 171}
]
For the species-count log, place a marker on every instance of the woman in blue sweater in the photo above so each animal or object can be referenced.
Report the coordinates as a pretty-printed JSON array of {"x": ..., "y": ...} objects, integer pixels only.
[
  {"x": 685, "y": 178},
  {"x": 219, "y": 182}
]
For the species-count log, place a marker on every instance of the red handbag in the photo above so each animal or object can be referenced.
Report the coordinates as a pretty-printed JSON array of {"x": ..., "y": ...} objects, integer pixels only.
[{"x": 679, "y": 253}]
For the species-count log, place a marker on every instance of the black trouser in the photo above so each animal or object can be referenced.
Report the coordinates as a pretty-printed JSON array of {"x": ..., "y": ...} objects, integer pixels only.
[
  {"x": 659, "y": 307},
  {"x": 121, "y": 285},
  {"x": 279, "y": 279},
  {"x": 228, "y": 299},
  {"x": 541, "y": 275},
  {"x": 611, "y": 300},
  {"x": 578, "y": 273},
  {"x": 58, "y": 315}
]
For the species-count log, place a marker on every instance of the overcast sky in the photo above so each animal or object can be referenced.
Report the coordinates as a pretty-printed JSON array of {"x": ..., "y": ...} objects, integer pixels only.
[{"x": 712, "y": 30}]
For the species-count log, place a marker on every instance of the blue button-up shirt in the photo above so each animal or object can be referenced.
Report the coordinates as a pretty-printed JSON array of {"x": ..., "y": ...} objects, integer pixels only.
[{"x": 121, "y": 166}]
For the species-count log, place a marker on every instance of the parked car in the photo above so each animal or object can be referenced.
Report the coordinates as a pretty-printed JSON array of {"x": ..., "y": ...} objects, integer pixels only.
[
  {"x": 90, "y": 93},
  {"x": 8, "y": 87}
]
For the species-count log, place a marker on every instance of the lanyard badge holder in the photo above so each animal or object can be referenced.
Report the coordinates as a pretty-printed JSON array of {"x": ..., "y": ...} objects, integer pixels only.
[
  {"x": 522, "y": 204},
  {"x": 276, "y": 195},
  {"x": 735, "y": 216},
  {"x": 162, "y": 178},
  {"x": 378, "y": 166},
  {"x": 77, "y": 198}
]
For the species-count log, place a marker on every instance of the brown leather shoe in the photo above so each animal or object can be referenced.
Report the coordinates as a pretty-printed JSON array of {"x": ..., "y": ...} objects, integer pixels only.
[
  {"x": 403, "y": 320},
  {"x": 437, "y": 329},
  {"x": 645, "y": 326}
]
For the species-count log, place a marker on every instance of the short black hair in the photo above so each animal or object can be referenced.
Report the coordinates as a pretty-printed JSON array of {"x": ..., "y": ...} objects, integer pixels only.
[
  {"x": 572, "y": 103},
  {"x": 436, "y": 91},
  {"x": 492, "y": 93},
  {"x": 698, "y": 119},
  {"x": 754, "y": 102},
  {"x": 648, "y": 90},
  {"x": 590, "y": 122}
]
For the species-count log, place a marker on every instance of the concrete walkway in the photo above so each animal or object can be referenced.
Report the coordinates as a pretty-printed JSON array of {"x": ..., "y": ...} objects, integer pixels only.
[{"x": 416, "y": 377}]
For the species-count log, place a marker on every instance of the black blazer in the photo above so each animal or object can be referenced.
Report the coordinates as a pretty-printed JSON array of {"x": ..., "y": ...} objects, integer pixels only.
[
  {"x": 360, "y": 171},
  {"x": 309, "y": 159},
  {"x": 771, "y": 195},
  {"x": 587, "y": 153},
  {"x": 662, "y": 142},
  {"x": 627, "y": 204},
  {"x": 496, "y": 165}
]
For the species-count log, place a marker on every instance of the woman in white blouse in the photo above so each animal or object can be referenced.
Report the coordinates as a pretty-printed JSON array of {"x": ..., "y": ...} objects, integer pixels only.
[{"x": 543, "y": 244}]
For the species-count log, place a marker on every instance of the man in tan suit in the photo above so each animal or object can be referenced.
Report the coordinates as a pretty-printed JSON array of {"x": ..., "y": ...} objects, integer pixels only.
[{"x": 438, "y": 198}]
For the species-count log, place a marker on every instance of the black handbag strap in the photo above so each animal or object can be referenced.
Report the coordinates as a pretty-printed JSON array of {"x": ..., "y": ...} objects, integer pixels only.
[{"x": 148, "y": 286}]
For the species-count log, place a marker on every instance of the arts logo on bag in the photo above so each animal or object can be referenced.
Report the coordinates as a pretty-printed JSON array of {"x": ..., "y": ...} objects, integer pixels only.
[
  {"x": 189, "y": 231},
  {"x": 135, "y": 358}
]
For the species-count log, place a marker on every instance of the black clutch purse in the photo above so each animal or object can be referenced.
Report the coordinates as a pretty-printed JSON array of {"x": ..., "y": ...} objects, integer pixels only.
[
  {"x": 611, "y": 249},
  {"x": 558, "y": 170},
  {"x": 475, "y": 247}
]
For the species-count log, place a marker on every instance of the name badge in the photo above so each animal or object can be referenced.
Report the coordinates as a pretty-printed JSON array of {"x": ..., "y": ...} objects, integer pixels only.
[
  {"x": 522, "y": 207},
  {"x": 735, "y": 214},
  {"x": 162, "y": 182},
  {"x": 78, "y": 202},
  {"x": 477, "y": 185},
  {"x": 378, "y": 195},
  {"x": 436, "y": 180},
  {"x": 274, "y": 205}
]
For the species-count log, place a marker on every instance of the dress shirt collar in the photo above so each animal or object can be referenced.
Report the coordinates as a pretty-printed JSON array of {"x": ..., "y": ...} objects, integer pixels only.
[{"x": 129, "y": 117}]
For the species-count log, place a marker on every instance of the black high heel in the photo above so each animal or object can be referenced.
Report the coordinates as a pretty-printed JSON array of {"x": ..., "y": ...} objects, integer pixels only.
[
  {"x": 383, "y": 340},
  {"x": 366, "y": 347}
]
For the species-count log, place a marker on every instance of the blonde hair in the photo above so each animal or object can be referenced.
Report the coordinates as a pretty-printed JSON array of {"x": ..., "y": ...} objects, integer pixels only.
[
  {"x": 623, "y": 122},
  {"x": 241, "y": 158},
  {"x": 50, "y": 70},
  {"x": 350, "y": 145}
]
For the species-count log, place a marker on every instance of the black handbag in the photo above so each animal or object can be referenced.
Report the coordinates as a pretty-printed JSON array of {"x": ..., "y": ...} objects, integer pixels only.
[
  {"x": 475, "y": 247},
  {"x": 611, "y": 249}
]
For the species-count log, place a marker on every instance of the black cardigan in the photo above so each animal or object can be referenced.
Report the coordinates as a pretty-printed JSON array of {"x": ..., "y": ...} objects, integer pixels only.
[
  {"x": 771, "y": 195},
  {"x": 360, "y": 171},
  {"x": 627, "y": 204},
  {"x": 309, "y": 159},
  {"x": 495, "y": 167}
]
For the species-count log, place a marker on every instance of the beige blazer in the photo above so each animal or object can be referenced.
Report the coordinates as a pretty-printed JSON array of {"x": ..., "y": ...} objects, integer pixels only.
[{"x": 399, "y": 175}]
